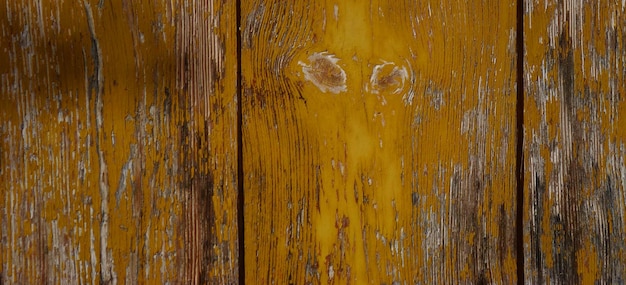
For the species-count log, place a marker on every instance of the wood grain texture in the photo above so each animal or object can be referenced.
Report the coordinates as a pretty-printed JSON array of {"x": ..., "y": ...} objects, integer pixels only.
[
  {"x": 574, "y": 142},
  {"x": 379, "y": 142},
  {"x": 118, "y": 151}
]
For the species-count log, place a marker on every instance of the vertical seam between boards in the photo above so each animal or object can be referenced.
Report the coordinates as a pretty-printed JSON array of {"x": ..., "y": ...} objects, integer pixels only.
[
  {"x": 240, "y": 175},
  {"x": 519, "y": 162}
]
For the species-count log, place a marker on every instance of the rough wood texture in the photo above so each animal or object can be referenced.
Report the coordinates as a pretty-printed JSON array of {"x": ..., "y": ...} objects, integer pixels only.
[
  {"x": 378, "y": 141},
  {"x": 574, "y": 142},
  {"x": 118, "y": 150}
]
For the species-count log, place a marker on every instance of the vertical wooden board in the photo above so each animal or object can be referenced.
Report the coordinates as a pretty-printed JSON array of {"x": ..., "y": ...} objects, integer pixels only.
[
  {"x": 379, "y": 141},
  {"x": 118, "y": 152},
  {"x": 574, "y": 142},
  {"x": 207, "y": 79}
]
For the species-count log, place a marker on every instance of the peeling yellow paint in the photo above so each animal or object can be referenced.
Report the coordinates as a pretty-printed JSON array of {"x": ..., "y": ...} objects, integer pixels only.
[
  {"x": 92, "y": 109},
  {"x": 413, "y": 151},
  {"x": 572, "y": 130}
]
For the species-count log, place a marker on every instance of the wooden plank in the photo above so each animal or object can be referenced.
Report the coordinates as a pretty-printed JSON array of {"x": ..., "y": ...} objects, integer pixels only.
[
  {"x": 118, "y": 151},
  {"x": 379, "y": 141},
  {"x": 574, "y": 142}
]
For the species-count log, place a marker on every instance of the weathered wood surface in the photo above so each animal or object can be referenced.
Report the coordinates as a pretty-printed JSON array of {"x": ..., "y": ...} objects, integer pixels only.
[
  {"x": 379, "y": 141},
  {"x": 118, "y": 151},
  {"x": 574, "y": 142}
]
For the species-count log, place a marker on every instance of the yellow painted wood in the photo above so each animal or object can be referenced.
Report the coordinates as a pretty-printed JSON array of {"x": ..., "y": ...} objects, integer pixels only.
[
  {"x": 379, "y": 141},
  {"x": 574, "y": 142},
  {"x": 118, "y": 151}
]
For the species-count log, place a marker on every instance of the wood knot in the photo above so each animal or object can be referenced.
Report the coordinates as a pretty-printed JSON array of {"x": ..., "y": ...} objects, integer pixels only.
[
  {"x": 325, "y": 73},
  {"x": 388, "y": 77}
]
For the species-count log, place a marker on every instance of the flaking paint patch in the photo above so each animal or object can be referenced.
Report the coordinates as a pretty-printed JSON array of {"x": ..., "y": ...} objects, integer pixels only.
[
  {"x": 107, "y": 270},
  {"x": 125, "y": 173},
  {"x": 324, "y": 72},
  {"x": 436, "y": 94}
]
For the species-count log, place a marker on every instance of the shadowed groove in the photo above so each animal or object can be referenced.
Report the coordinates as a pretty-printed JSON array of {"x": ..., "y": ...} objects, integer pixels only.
[{"x": 240, "y": 186}]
